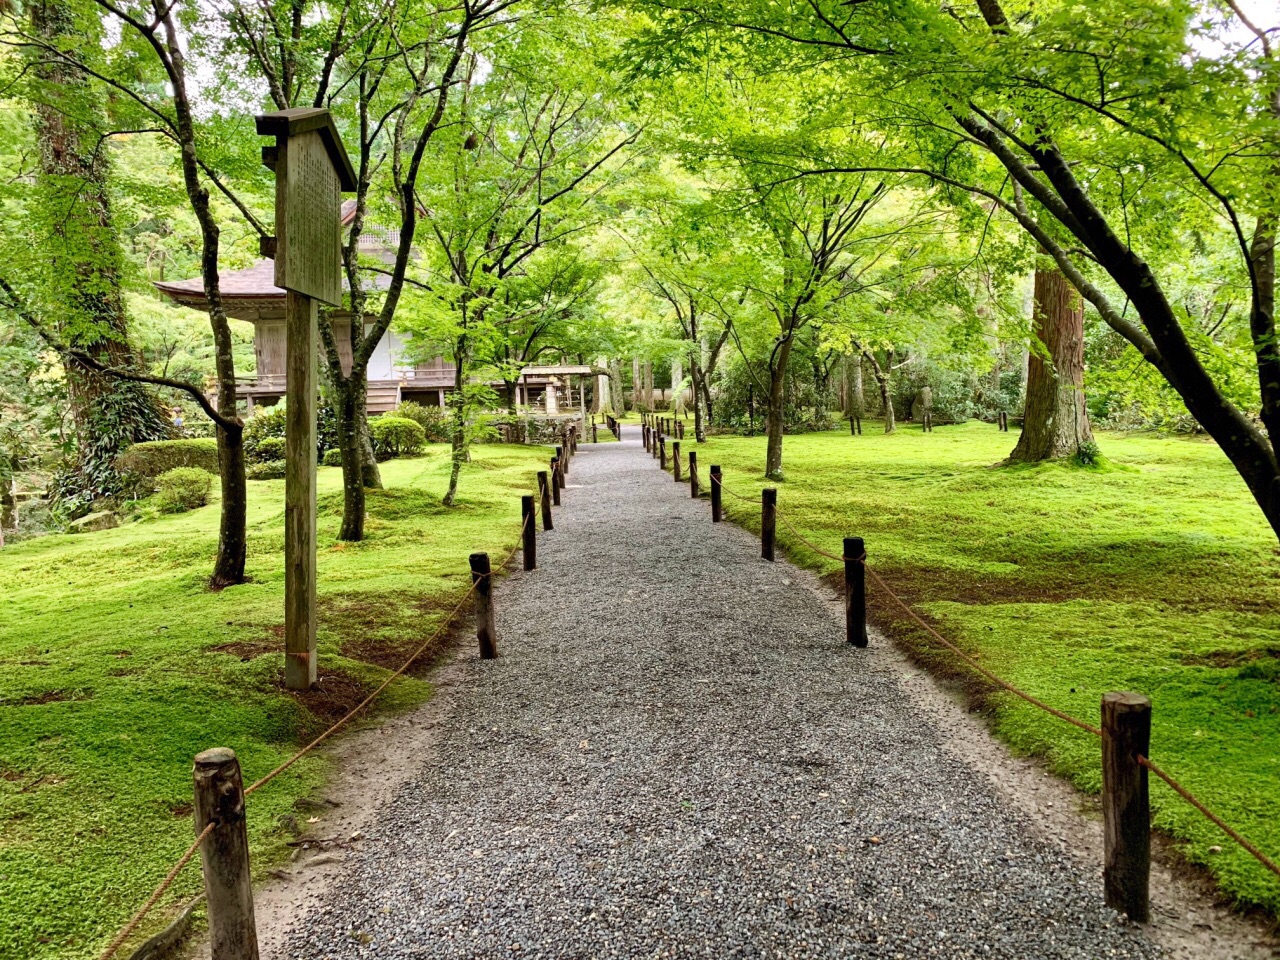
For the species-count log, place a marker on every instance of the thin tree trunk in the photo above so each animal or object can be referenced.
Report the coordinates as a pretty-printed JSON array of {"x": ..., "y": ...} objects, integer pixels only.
[
  {"x": 648, "y": 385},
  {"x": 350, "y": 445},
  {"x": 637, "y": 389},
  {"x": 1055, "y": 420},
  {"x": 616, "y": 388},
  {"x": 775, "y": 418}
]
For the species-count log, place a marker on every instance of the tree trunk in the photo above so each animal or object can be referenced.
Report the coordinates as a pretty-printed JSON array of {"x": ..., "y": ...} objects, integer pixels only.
[
  {"x": 677, "y": 394},
  {"x": 776, "y": 414},
  {"x": 72, "y": 213},
  {"x": 616, "y": 389},
  {"x": 648, "y": 385},
  {"x": 696, "y": 375},
  {"x": 370, "y": 475},
  {"x": 637, "y": 390},
  {"x": 859, "y": 400},
  {"x": 351, "y": 446},
  {"x": 1055, "y": 420},
  {"x": 459, "y": 455}
]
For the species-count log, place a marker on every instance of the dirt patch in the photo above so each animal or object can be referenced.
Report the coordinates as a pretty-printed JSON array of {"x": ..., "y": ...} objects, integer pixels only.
[
  {"x": 180, "y": 811},
  {"x": 1226, "y": 659},
  {"x": 384, "y": 629},
  {"x": 48, "y": 696},
  {"x": 246, "y": 650},
  {"x": 334, "y": 695}
]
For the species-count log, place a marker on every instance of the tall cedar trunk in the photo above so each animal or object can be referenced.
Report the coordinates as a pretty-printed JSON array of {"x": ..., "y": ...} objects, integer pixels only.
[
  {"x": 776, "y": 415},
  {"x": 677, "y": 394},
  {"x": 346, "y": 407},
  {"x": 615, "y": 388},
  {"x": 73, "y": 216},
  {"x": 637, "y": 390},
  {"x": 648, "y": 385},
  {"x": 1055, "y": 421},
  {"x": 859, "y": 399}
]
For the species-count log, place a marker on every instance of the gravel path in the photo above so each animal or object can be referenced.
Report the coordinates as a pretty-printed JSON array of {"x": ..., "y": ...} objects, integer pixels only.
[{"x": 678, "y": 756}]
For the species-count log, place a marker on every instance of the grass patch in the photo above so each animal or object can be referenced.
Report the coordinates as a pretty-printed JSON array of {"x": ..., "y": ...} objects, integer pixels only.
[
  {"x": 1151, "y": 570},
  {"x": 117, "y": 666}
]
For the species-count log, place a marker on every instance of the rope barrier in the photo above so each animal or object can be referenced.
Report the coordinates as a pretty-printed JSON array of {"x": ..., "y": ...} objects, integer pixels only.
[
  {"x": 1192, "y": 799},
  {"x": 190, "y": 852},
  {"x": 1177, "y": 787},
  {"x": 719, "y": 481},
  {"x": 156, "y": 894}
]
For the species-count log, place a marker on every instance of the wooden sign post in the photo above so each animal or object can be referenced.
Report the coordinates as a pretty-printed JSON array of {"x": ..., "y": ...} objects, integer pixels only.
[{"x": 312, "y": 169}]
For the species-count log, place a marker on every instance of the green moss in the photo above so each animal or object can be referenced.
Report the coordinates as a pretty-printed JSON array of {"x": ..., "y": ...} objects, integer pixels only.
[
  {"x": 1150, "y": 570},
  {"x": 117, "y": 665}
]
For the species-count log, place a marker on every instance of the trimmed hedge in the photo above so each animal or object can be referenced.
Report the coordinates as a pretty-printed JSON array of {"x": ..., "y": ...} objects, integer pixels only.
[
  {"x": 333, "y": 457},
  {"x": 182, "y": 489},
  {"x": 146, "y": 461},
  {"x": 271, "y": 470},
  {"x": 396, "y": 436}
]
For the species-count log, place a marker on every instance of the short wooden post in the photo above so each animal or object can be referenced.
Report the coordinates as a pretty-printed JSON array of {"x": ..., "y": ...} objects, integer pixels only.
[
  {"x": 680, "y": 429},
  {"x": 675, "y": 461},
  {"x": 662, "y": 453},
  {"x": 544, "y": 494},
  {"x": 855, "y": 591},
  {"x": 563, "y": 457},
  {"x": 768, "y": 521},
  {"x": 644, "y": 436},
  {"x": 595, "y": 436},
  {"x": 717, "y": 510},
  {"x": 853, "y": 426},
  {"x": 486, "y": 633},
  {"x": 1126, "y": 810},
  {"x": 529, "y": 532},
  {"x": 693, "y": 474},
  {"x": 555, "y": 481},
  {"x": 224, "y": 855},
  {"x": 654, "y": 440}
]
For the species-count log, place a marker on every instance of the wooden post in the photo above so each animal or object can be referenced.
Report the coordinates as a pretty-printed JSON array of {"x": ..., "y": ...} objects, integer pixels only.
[
  {"x": 855, "y": 592},
  {"x": 662, "y": 452},
  {"x": 224, "y": 855},
  {"x": 300, "y": 492},
  {"x": 853, "y": 426},
  {"x": 693, "y": 474},
  {"x": 486, "y": 633},
  {"x": 555, "y": 481},
  {"x": 768, "y": 521},
  {"x": 675, "y": 461},
  {"x": 717, "y": 510},
  {"x": 529, "y": 532},
  {"x": 562, "y": 457},
  {"x": 1126, "y": 810},
  {"x": 595, "y": 437},
  {"x": 644, "y": 436},
  {"x": 859, "y": 426},
  {"x": 544, "y": 494}
]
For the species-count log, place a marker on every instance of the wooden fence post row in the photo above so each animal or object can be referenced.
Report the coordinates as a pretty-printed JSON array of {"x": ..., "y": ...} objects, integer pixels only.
[
  {"x": 768, "y": 521},
  {"x": 555, "y": 481},
  {"x": 528, "y": 532},
  {"x": 224, "y": 855},
  {"x": 693, "y": 474},
  {"x": 486, "y": 632},
  {"x": 717, "y": 479},
  {"x": 675, "y": 460},
  {"x": 855, "y": 592},
  {"x": 1126, "y": 808},
  {"x": 544, "y": 494},
  {"x": 662, "y": 452}
]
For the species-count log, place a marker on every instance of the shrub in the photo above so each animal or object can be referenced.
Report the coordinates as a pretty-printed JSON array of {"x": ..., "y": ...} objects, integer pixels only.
[
  {"x": 271, "y": 470},
  {"x": 396, "y": 436},
  {"x": 144, "y": 462},
  {"x": 267, "y": 425},
  {"x": 182, "y": 488},
  {"x": 333, "y": 457},
  {"x": 433, "y": 420},
  {"x": 1088, "y": 454}
]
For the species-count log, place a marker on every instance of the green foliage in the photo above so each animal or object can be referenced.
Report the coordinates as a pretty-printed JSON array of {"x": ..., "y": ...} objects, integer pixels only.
[
  {"x": 396, "y": 436},
  {"x": 146, "y": 461},
  {"x": 266, "y": 470},
  {"x": 332, "y": 457},
  {"x": 1159, "y": 575},
  {"x": 266, "y": 449},
  {"x": 264, "y": 433},
  {"x": 433, "y": 420},
  {"x": 182, "y": 488},
  {"x": 117, "y": 665}
]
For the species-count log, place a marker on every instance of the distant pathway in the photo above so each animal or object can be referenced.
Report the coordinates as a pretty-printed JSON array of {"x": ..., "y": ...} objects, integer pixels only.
[{"x": 678, "y": 756}]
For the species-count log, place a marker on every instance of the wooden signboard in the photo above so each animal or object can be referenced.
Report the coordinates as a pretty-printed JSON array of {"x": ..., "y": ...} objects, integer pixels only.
[{"x": 312, "y": 169}]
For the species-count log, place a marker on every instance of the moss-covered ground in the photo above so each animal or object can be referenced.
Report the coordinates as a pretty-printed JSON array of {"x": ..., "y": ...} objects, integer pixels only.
[
  {"x": 117, "y": 665},
  {"x": 1152, "y": 572}
]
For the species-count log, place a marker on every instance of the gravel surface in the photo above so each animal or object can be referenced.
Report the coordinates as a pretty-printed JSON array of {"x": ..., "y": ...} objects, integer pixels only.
[{"x": 676, "y": 755}]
